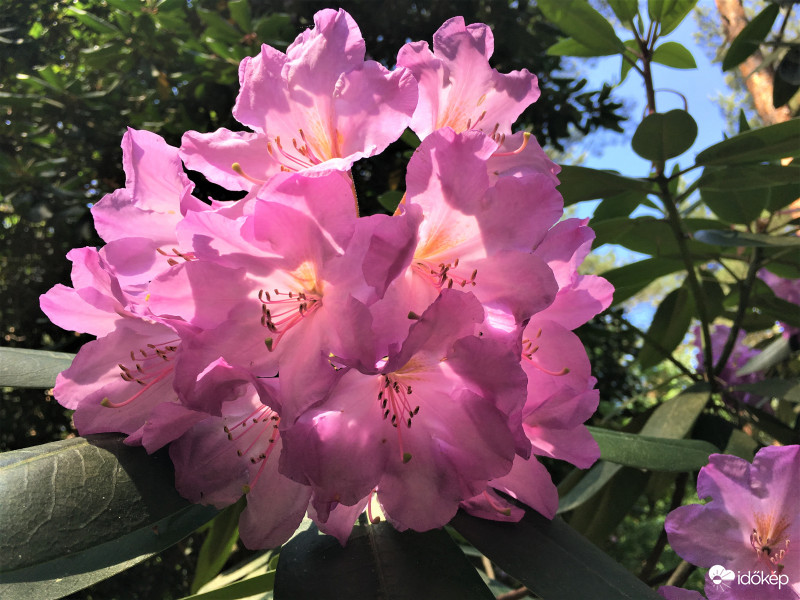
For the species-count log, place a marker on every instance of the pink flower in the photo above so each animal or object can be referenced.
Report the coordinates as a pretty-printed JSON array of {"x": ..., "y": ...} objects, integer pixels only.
[
  {"x": 424, "y": 429},
  {"x": 458, "y": 89},
  {"x": 319, "y": 107},
  {"x": 751, "y": 525},
  {"x": 740, "y": 356}
]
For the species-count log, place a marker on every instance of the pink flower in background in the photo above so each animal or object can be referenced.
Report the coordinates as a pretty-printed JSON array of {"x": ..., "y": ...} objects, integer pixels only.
[
  {"x": 750, "y": 525},
  {"x": 740, "y": 356},
  {"x": 319, "y": 107},
  {"x": 458, "y": 88},
  {"x": 786, "y": 289}
]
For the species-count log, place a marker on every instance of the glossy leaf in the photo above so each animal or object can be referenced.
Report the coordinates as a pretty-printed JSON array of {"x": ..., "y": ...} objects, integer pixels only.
[
  {"x": 551, "y": 559},
  {"x": 78, "y": 511},
  {"x": 758, "y": 145},
  {"x": 20, "y": 367},
  {"x": 629, "y": 280},
  {"x": 727, "y": 238},
  {"x": 595, "y": 479},
  {"x": 656, "y": 454},
  {"x": 670, "y": 323},
  {"x": 584, "y": 24},
  {"x": 626, "y": 66},
  {"x": 378, "y": 562},
  {"x": 661, "y": 136},
  {"x": 651, "y": 236},
  {"x": 675, "y": 55},
  {"x": 748, "y": 40},
  {"x": 581, "y": 183},
  {"x": 571, "y": 47},
  {"x": 670, "y": 13}
]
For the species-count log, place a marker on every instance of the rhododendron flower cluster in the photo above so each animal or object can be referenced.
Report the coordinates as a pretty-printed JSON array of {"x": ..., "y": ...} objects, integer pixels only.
[
  {"x": 747, "y": 533},
  {"x": 323, "y": 363}
]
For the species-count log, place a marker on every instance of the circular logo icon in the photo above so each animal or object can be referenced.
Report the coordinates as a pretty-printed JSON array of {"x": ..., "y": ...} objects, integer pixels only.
[{"x": 719, "y": 575}]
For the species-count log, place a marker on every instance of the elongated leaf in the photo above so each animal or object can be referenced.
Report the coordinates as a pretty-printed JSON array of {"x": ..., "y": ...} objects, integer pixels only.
[
  {"x": 625, "y": 10},
  {"x": 720, "y": 237},
  {"x": 619, "y": 205},
  {"x": 222, "y": 535},
  {"x": 664, "y": 135},
  {"x": 655, "y": 454},
  {"x": 20, "y": 367},
  {"x": 736, "y": 206},
  {"x": 746, "y": 177},
  {"x": 581, "y": 183},
  {"x": 552, "y": 559},
  {"x": 246, "y": 588},
  {"x": 758, "y": 145},
  {"x": 571, "y": 47},
  {"x": 378, "y": 562},
  {"x": 670, "y": 323},
  {"x": 675, "y": 55},
  {"x": 92, "y": 21},
  {"x": 652, "y": 236},
  {"x": 787, "y": 389},
  {"x": 672, "y": 419},
  {"x": 670, "y": 13},
  {"x": 78, "y": 511},
  {"x": 594, "y": 480},
  {"x": 629, "y": 280},
  {"x": 581, "y": 22},
  {"x": 748, "y": 40}
]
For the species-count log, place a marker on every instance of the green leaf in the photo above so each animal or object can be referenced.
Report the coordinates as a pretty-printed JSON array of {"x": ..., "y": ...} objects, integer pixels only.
[
  {"x": 619, "y": 205},
  {"x": 246, "y": 588},
  {"x": 570, "y": 47},
  {"x": 629, "y": 280},
  {"x": 747, "y": 177},
  {"x": 551, "y": 559},
  {"x": 736, "y": 206},
  {"x": 748, "y": 40},
  {"x": 782, "y": 90},
  {"x": 728, "y": 238},
  {"x": 673, "y": 54},
  {"x": 594, "y": 480},
  {"x": 626, "y": 66},
  {"x": 625, "y": 10},
  {"x": 584, "y": 24},
  {"x": 20, "y": 367},
  {"x": 240, "y": 13},
  {"x": 664, "y": 135},
  {"x": 655, "y": 454},
  {"x": 651, "y": 236},
  {"x": 132, "y": 6},
  {"x": 787, "y": 389},
  {"x": 581, "y": 183},
  {"x": 78, "y": 511},
  {"x": 670, "y": 13},
  {"x": 759, "y": 145},
  {"x": 777, "y": 308},
  {"x": 92, "y": 21},
  {"x": 217, "y": 545},
  {"x": 670, "y": 323},
  {"x": 778, "y": 351},
  {"x": 378, "y": 562},
  {"x": 390, "y": 200}
]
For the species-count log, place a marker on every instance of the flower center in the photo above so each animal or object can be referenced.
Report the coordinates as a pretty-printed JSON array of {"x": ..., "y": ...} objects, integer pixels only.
[
  {"x": 149, "y": 367},
  {"x": 255, "y": 437},
  {"x": 445, "y": 275},
  {"x": 176, "y": 254},
  {"x": 280, "y": 311},
  {"x": 393, "y": 399},
  {"x": 530, "y": 348},
  {"x": 770, "y": 541}
]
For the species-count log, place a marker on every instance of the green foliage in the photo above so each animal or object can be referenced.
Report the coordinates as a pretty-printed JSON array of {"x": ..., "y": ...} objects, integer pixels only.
[
  {"x": 662, "y": 136},
  {"x": 751, "y": 37}
]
